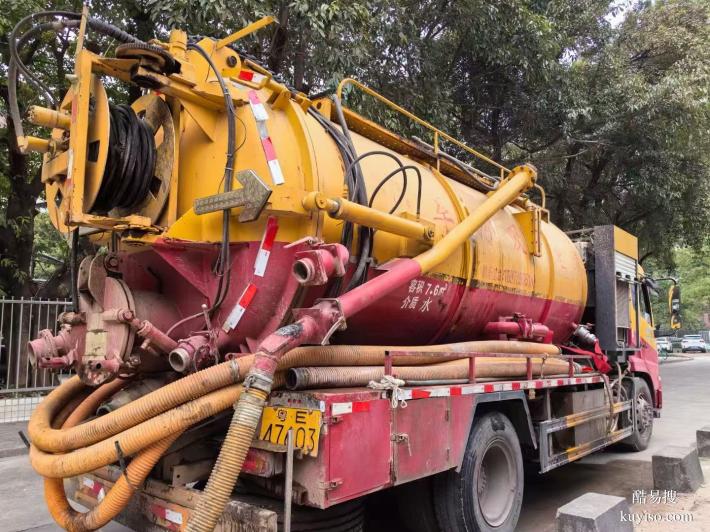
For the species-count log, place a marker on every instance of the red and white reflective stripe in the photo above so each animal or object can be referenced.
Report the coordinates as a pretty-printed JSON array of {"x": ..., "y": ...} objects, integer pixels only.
[
  {"x": 240, "y": 308},
  {"x": 248, "y": 75},
  {"x": 267, "y": 242},
  {"x": 257, "y": 107},
  {"x": 338, "y": 409},
  {"x": 492, "y": 387},
  {"x": 96, "y": 488},
  {"x": 166, "y": 514},
  {"x": 261, "y": 116}
]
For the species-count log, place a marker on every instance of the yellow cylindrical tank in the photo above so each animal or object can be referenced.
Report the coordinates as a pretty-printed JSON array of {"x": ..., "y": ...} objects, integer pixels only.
[{"x": 495, "y": 276}]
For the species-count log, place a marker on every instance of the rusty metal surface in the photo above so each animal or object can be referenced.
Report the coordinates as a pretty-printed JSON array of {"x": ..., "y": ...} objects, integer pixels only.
[{"x": 159, "y": 507}]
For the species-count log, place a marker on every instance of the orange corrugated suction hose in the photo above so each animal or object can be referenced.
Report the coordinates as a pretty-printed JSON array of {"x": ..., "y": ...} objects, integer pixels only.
[
  {"x": 371, "y": 355},
  {"x": 230, "y": 461},
  {"x": 118, "y": 496},
  {"x": 245, "y": 420},
  {"x": 342, "y": 376},
  {"x": 88, "y": 407},
  {"x": 156, "y": 416},
  {"x": 133, "y": 439},
  {"x": 197, "y": 384},
  {"x": 115, "y": 500},
  {"x": 44, "y": 437}
]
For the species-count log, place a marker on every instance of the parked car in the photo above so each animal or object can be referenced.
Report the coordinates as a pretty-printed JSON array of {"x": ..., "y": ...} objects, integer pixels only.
[
  {"x": 664, "y": 343},
  {"x": 693, "y": 342}
]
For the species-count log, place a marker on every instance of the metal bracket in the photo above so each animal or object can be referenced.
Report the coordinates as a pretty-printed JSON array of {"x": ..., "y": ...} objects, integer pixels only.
[{"x": 549, "y": 461}]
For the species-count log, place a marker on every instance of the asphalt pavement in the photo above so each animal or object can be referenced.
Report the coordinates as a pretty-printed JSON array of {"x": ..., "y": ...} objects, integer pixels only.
[{"x": 686, "y": 408}]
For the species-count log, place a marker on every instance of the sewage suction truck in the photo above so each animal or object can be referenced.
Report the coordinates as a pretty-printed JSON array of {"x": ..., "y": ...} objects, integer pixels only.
[{"x": 293, "y": 308}]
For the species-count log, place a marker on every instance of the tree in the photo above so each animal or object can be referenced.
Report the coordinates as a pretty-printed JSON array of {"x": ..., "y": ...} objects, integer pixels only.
[
  {"x": 634, "y": 142},
  {"x": 20, "y": 175},
  {"x": 691, "y": 268},
  {"x": 313, "y": 43},
  {"x": 615, "y": 118},
  {"x": 50, "y": 57}
]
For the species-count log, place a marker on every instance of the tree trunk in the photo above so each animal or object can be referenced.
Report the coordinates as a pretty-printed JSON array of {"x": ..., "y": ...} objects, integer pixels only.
[
  {"x": 279, "y": 43},
  {"x": 299, "y": 65},
  {"x": 17, "y": 231}
]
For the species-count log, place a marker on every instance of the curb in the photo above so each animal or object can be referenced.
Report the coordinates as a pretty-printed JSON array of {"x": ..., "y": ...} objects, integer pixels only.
[
  {"x": 13, "y": 451},
  {"x": 675, "y": 358}
]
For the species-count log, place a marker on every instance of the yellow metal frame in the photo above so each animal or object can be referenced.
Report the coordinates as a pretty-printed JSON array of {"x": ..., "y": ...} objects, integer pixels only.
[
  {"x": 438, "y": 134},
  {"x": 251, "y": 28}
]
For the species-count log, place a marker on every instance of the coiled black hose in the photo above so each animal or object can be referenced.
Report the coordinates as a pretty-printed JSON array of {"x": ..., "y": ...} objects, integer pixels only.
[
  {"x": 58, "y": 21},
  {"x": 130, "y": 164}
]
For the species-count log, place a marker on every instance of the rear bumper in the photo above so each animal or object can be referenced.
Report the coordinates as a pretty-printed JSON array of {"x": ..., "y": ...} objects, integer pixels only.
[{"x": 159, "y": 506}]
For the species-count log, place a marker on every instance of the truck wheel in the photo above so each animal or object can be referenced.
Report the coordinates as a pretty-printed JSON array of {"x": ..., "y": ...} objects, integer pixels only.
[
  {"x": 487, "y": 494},
  {"x": 416, "y": 507},
  {"x": 639, "y": 440}
]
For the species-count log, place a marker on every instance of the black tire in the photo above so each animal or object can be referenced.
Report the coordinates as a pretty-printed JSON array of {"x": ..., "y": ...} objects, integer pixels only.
[
  {"x": 643, "y": 402},
  {"x": 416, "y": 506},
  {"x": 488, "y": 493}
]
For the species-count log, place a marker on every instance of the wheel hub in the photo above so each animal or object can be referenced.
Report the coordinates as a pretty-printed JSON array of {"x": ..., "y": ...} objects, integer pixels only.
[
  {"x": 496, "y": 483},
  {"x": 644, "y": 413}
]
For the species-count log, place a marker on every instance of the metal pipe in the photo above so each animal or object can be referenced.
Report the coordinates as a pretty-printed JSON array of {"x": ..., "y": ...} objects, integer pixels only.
[
  {"x": 352, "y": 302},
  {"x": 288, "y": 487},
  {"x": 520, "y": 180},
  {"x": 130, "y": 393},
  {"x": 30, "y": 143},
  {"x": 41, "y": 116},
  {"x": 349, "y": 211}
]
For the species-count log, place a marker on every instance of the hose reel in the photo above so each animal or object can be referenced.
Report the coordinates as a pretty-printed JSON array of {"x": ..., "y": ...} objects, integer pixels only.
[
  {"x": 130, "y": 153},
  {"x": 142, "y": 142}
]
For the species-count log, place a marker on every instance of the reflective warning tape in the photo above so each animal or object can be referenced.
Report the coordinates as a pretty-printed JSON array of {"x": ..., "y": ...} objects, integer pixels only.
[
  {"x": 257, "y": 107},
  {"x": 240, "y": 308},
  {"x": 96, "y": 488},
  {"x": 167, "y": 514},
  {"x": 261, "y": 116},
  {"x": 337, "y": 409},
  {"x": 267, "y": 242},
  {"x": 248, "y": 75},
  {"x": 492, "y": 387}
]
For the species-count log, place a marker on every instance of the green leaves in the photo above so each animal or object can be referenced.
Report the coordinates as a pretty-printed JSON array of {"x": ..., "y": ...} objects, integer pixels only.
[{"x": 616, "y": 118}]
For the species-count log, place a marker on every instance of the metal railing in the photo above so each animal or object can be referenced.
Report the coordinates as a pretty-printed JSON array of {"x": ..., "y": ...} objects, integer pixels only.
[{"x": 22, "y": 386}]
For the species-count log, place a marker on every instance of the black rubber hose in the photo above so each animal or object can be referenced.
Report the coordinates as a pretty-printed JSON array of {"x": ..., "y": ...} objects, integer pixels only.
[
  {"x": 223, "y": 264},
  {"x": 352, "y": 164},
  {"x": 346, "y": 235},
  {"x": 389, "y": 176},
  {"x": 364, "y": 234},
  {"x": 68, "y": 20},
  {"x": 74, "y": 268},
  {"x": 130, "y": 163}
]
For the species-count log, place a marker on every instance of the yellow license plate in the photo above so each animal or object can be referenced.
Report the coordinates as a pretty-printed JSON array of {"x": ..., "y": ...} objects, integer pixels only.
[{"x": 304, "y": 422}]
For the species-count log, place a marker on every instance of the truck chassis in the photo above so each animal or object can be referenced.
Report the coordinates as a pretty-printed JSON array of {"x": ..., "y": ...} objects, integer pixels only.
[{"x": 371, "y": 440}]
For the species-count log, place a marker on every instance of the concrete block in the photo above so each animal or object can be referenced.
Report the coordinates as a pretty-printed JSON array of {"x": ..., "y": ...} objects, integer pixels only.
[
  {"x": 594, "y": 512},
  {"x": 703, "y": 437},
  {"x": 677, "y": 468}
]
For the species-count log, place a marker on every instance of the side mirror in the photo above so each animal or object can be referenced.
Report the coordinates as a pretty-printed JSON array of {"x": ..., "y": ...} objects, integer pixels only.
[{"x": 674, "y": 306}]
